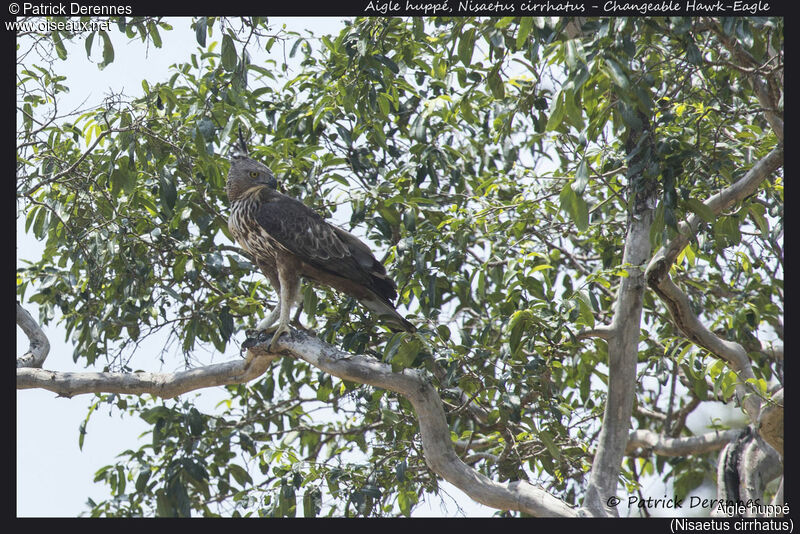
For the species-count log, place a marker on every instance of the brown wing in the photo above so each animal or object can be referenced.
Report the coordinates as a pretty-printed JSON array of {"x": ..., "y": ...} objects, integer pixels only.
[{"x": 305, "y": 233}]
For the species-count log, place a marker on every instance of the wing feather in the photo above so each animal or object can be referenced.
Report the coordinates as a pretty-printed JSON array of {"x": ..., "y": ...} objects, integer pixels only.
[{"x": 307, "y": 235}]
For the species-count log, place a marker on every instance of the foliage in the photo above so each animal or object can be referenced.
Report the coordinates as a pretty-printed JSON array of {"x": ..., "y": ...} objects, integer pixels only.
[{"x": 486, "y": 160}]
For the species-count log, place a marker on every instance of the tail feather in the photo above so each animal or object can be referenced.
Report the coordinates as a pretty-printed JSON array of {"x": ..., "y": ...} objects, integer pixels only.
[{"x": 387, "y": 314}]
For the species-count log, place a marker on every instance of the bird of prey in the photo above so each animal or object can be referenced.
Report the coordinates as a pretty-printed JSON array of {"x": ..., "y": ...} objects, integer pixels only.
[{"x": 288, "y": 240}]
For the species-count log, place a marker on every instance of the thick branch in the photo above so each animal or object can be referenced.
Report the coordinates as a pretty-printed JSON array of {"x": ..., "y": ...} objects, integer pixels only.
[
  {"x": 436, "y": 442},
  {"x": 602, "y": 332},
  {"x": 678, "y": 303},
  {"x": 685, "y": 446},
  {"x": 759, "y": 465},
  {"x": 770, "y": 422},
  {"x": 623, "y": 342},
  {"x": 39, "y": 345},
  {"x": 68, "y": 384},
  {"x": 685, "y": 319},
  {"x": 412, "y": 384}
]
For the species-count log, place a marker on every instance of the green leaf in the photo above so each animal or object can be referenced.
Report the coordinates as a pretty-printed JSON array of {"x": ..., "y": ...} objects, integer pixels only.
[
  {"x": 122, "y": 179},
  {"x": 406, "y": 499},
  {"x": 60, "y": 49},
  {"x": 405, "y": 355},
  {"x": 585, "y": 308},
  {"x": 757, "y": 214},
  {"x": 287, "y": 501},
  {"x": 556, "y": 113},
  {"x": 141, "y": 481},
  {"x": 617, "y": 75},
  {"x": 466, "y": 46},
  {"x": 88, "y": 45},
  {"x": 81, "y": 434},
  {"x": 164, "y": 506},
  {"x": 167, "y": 191},
  {"x": 41, "y": 223},
  {"x": 108, "y": 50},
  {"x": 575, "y": 207},
  {"x": 311, "y": 502},
  {"x": 201, "y": 30},
  {"x": 310, "y": 300},
  {"x": 196, "y": 422},
  {"x": 152, "y": 415},
  {"x": 400, "y": 470},
  {"x": 391, "y": 65},
  {"x": 573, "y": 53},
  {"x": 178, "y": 496},
  {"x": 239, "y": 474},
  {"x": 703, "y": 211},
  {"x": 547, "y": 439},
  {"x": 517, "y": 326},
  {"x": 581, "y": 177},
  {"x": 384, "y": 104},
  {"x": 572, "y": 108},
  {"x": 496, "y": 84},
  {"x": 525, "y": 25},
  {"x": 229, "y": 58},
  {"x": 152, "y": 29}
]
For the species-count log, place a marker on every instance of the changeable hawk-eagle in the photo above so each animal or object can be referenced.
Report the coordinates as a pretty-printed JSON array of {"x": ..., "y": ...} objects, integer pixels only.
[{"x": 289, "y": 240}]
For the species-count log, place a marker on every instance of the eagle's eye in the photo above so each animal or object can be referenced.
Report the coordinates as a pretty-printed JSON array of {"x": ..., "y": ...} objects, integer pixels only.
[{"x": 253, "y": 174}]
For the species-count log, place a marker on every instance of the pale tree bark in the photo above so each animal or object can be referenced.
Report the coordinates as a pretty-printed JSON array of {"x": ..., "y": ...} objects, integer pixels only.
[
  {"x": 39, "y": 345},
  {"x": 770, "y": 422},
  {"x": 623, "y": 337},
  {"x": 653, "y": 442}
]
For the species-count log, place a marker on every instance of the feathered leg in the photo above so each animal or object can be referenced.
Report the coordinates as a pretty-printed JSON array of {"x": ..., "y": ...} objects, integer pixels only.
[
  {"x": 269, "y": 320},
  {"x": 289, "y": 282}
]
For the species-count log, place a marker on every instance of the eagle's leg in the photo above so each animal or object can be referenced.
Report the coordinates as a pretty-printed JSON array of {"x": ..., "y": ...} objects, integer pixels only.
[
  {"x": 270, "y": 272},
  {"x": 269, "y": 320},
  {"x": 289, "y": 282}
]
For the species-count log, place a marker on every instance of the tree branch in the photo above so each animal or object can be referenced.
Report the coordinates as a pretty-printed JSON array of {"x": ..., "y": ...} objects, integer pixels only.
[
  {"x": 39, "y": 345},
  {"x": 412, "y": 384},
  {"x": 437, "y": 445},
  {"x": 770, "y": 422},
  {"x": 685, "y": 446},
  {"x": 602, "y": 332},
  {"x": 687, "y": 322},
  {"x": 744, "y": 187},
  {"x": 166, "y": 385},
  {"x": 676, "y": 300},
  {"x": 623, "y": 343}
]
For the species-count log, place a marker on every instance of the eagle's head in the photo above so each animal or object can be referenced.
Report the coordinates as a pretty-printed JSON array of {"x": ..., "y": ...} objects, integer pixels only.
[{"x": 246, "y": 172}]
